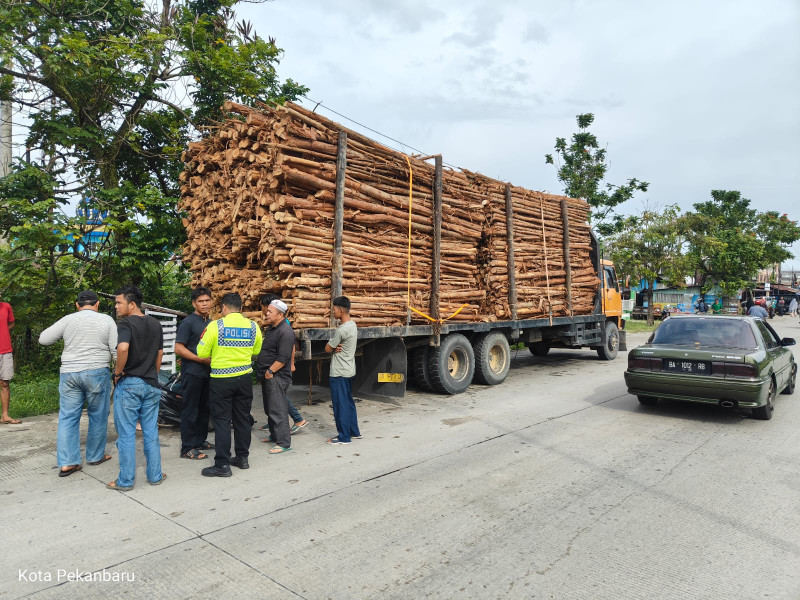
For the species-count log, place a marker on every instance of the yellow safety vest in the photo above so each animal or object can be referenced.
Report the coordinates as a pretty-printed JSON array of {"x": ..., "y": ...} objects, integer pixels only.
[{"x": 231, "y": 342}]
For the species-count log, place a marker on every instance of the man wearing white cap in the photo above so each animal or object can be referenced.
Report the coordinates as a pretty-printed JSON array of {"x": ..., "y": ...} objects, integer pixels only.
[{"x": 274, "y": 372}]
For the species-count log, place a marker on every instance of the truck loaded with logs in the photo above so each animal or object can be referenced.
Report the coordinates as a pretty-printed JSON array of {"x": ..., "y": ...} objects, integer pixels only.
[{"x": 445, "y": 268}]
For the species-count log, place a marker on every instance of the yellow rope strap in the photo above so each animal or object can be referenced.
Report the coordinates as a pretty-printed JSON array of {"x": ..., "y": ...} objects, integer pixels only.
[{"x": 408, "y": 268}]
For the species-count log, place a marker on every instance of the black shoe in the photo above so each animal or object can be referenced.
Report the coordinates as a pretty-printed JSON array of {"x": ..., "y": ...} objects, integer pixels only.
[
  {"x": 217, "y": 471},
  {"x": 241, "y": 462}
]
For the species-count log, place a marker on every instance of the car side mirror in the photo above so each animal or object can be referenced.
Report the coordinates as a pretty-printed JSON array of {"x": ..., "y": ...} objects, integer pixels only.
[{"x": 787, "y": 342}]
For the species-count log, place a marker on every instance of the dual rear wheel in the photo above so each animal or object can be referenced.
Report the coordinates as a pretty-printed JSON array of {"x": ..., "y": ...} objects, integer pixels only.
[{"x": 456, "y": 363}]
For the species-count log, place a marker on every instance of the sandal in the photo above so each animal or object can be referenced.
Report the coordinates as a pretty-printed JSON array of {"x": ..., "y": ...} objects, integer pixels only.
[
  {"x": 106, "y": 457},
  {"x": 206, "y": 446},
  {"x": 194, "y": 454},
  {"x": 112, "y": 485},
  {"x": 298, "y": 426},
  {"x": 10, "y": 421},
  {"x": 163, "y": 477},
  {"x": 278, "y": 450},
  {"x": 68, "y": 472},
  {"x": 268, "y": 440}
]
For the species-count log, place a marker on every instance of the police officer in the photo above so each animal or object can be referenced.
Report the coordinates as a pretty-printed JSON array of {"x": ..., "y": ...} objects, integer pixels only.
[{"x": 231, "y": 342}]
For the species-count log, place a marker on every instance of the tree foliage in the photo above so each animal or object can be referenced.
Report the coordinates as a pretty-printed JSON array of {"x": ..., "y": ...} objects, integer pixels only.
[
  {"x": 729, "y": 241},
  {"x": 582, "y": 168},
  {"x": 650, "y": 247},
  {"x": 112, "y": 92}
]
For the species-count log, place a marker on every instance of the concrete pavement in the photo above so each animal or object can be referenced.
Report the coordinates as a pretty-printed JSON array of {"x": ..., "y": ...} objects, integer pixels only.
[{"x": 556, "y": 484}]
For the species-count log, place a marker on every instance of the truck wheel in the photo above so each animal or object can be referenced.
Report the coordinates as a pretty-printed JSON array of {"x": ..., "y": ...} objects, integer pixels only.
[
  {"x": 419, "y": 366},
  {"x": 492, "y": 358},
  {"x": 539, "y": 348},
  {"x": 610, "y": 347},
  {"x": 451, "y": 365}
]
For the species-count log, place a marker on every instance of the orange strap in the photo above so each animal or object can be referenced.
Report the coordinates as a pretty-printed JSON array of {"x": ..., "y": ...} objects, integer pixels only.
[{"x": 408, "y": 268}]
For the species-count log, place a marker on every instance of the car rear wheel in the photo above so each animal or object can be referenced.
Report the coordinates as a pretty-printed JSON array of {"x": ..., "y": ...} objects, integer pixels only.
[
  {"x": 648, "y": 400},
  {"x": 765, "y": 412},
  {"x": 789, "y": 389}
]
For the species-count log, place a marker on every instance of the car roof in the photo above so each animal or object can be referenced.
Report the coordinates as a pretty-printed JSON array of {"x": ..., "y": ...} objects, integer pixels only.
[{"x": 729, "y": 317}]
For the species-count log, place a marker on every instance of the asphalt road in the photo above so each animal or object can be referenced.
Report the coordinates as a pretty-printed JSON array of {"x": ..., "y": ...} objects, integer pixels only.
[{"x": 556, "y": 484}]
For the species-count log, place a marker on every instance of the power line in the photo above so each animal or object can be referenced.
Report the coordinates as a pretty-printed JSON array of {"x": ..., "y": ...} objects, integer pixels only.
[{"x": 388, "y": 137}]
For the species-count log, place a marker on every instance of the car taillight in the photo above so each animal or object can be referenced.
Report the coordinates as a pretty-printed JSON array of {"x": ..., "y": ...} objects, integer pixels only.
[
  {"x": 646, "y": 364},
  {"x": 740, "y": 370}
]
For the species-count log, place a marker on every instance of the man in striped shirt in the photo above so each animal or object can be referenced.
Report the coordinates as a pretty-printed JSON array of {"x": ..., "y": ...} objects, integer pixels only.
[{"x": 90, "y": 342}]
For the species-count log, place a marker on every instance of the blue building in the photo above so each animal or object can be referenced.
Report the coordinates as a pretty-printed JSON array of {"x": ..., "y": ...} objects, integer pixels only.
[{"x": 91, "y": 234}]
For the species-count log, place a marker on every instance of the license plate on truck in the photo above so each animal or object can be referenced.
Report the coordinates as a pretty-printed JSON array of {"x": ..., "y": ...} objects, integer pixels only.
[{"x": 695, "y": 367}]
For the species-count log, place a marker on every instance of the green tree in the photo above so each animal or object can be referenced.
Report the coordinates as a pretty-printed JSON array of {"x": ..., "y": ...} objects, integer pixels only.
[
  {"x": 582, "y": 167},
  {"x": 650, "y": 246},
  {"x": 729, "y": 241},
  {"x": 112, "y": 93}
]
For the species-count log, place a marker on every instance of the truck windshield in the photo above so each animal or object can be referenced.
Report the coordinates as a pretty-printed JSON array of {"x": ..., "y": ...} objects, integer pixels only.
[{"x": 728, "y": 333}]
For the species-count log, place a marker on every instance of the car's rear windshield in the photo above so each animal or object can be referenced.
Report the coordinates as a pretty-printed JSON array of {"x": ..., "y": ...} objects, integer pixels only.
[{"x": 711, "y": 331}]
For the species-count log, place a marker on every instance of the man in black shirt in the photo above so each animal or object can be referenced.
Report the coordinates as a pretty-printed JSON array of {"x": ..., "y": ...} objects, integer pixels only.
[
  {"x": 140, "y": 347},
  {"x": 273, "y": 370},
  {"x": 195, "y": 376}
]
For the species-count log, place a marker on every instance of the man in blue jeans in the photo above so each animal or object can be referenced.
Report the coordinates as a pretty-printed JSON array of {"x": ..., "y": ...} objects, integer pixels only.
[
  {"x": 140, "y": 347},
  {"x": 343, "y": 369},
  {"x": 90, "y": 342}
]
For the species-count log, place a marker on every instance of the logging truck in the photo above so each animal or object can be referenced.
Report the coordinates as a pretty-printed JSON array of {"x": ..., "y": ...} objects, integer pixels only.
[
  {"x": 447, "y": 357},
  {"x": 447, "y": 268}
]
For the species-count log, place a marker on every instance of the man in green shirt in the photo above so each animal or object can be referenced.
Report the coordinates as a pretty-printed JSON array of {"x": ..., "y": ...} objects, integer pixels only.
[
  {"x": 343, "y": 369},
  {"x": 231, "y": 342}
]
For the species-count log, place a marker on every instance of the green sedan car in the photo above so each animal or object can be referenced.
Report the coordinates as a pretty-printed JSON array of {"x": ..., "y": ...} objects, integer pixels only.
[{"x": 725, "y": 360}]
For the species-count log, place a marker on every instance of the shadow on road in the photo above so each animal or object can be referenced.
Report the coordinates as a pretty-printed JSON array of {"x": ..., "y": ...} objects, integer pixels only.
[{"x": 614, "y": 395}]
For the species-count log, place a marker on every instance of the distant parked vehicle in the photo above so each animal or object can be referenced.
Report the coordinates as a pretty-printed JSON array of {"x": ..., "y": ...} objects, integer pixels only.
[{"x": 730, "y": 361}]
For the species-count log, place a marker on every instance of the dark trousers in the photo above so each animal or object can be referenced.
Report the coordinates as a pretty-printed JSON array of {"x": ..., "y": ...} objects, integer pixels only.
[
  {"x": 344, "y": 408},
  {"x": 194, "y": 412},
  {"x": 276, "y": 406},
  {"x": 230, "y": 399}
]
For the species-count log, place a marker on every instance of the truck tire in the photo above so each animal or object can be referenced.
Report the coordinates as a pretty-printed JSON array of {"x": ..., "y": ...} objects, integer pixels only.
[
  {"x": 419, "y": 367},
  {"x": 610, "y": 347},
  {"x": 451, "y": 365},
  {"x": 539, "y": 348},
  {"x": 492, "y": 358}
]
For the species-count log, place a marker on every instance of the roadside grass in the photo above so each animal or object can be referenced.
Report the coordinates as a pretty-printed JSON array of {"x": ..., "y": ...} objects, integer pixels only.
[
  {"x": 640, "y": 326},
  {"x": 34, "y": 396}
]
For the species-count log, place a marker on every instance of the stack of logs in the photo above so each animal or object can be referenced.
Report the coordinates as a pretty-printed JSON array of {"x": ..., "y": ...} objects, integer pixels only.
[{"x": 259, "y": 195}]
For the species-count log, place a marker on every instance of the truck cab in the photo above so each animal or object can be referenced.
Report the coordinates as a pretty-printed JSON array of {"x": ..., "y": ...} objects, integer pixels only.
[{"x": 610, "y": 293}]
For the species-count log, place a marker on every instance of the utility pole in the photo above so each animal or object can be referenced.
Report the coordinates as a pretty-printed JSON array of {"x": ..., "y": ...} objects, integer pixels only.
[
  {"x": 5, "y": 144},
  {"x": 5, "y": 137}
]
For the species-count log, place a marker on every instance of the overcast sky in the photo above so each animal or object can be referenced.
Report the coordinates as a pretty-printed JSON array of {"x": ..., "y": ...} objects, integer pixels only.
[{"x": 687, "y": 95}]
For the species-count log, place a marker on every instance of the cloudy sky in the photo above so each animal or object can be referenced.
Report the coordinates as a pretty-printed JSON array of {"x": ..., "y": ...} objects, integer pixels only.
[{"x": 687, "y": 95}]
